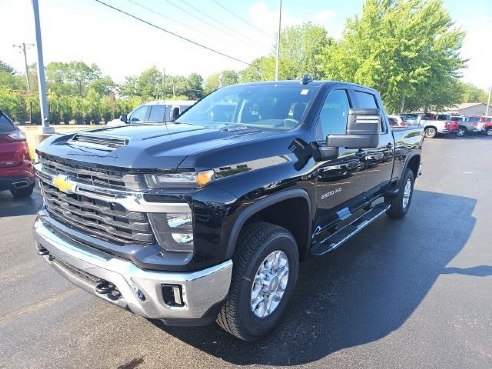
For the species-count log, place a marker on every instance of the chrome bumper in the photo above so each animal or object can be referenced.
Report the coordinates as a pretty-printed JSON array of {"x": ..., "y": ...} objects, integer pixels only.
[{"x": 139, "y": 290}]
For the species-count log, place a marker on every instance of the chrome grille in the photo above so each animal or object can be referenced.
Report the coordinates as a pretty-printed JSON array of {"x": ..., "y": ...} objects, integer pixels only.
[
  {"x": 98, "y": 218},
  {"x": 84, "y": 174}
]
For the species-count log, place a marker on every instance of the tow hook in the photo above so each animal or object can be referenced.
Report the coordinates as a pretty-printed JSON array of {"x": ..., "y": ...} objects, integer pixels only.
[{"x": 104, "y": 288}]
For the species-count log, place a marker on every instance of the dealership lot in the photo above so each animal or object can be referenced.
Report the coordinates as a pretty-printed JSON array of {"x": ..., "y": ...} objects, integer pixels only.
[{"x": 415, "y": 293}]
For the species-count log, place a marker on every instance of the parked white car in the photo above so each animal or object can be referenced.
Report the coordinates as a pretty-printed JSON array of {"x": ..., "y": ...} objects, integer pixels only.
[{"x": 154, "y": 112}]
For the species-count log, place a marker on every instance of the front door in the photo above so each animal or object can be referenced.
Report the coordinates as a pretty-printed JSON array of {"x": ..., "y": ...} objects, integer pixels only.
[{"x": 341, "y": 181}]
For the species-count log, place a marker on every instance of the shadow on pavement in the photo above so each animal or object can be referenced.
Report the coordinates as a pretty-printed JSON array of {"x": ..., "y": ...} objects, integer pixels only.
[
  {"x": 16, "y": 207},
  {"x": 361, "y": 292}
]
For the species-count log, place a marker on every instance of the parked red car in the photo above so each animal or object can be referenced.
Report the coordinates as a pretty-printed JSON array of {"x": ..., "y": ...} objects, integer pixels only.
[
  {"x": 16, "y": 169},
  {"x": 487, "y": 124}
]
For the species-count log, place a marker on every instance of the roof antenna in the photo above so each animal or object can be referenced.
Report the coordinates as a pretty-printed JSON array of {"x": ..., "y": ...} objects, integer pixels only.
[{"x": 306, "y": 79}]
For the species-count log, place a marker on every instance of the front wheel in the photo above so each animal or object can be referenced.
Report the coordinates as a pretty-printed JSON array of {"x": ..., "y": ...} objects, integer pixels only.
[
  {"x": 266, "y": 265},
  {"x": 461, "y": 132},
  {"x": 488, "y": 132},
  {"x": 430, "y": 132},
  {"x": 400, "y": 203}
]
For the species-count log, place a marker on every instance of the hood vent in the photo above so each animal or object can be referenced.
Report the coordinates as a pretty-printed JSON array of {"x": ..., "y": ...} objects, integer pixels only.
[{"x": 105, "y": 143}]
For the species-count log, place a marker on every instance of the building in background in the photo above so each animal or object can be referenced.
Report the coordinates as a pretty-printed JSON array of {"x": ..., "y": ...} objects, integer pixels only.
[{"x": 469, "y": 109}]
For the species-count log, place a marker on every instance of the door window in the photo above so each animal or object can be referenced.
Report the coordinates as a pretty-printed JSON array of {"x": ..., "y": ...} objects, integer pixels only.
[
  {"x": 5, "y": 123},
  {"x": 334, "y": 113},
  {"x": 138, "y": 115},
  {"x": 368, "y": 101},
  {"x": 157, "y": 113}
]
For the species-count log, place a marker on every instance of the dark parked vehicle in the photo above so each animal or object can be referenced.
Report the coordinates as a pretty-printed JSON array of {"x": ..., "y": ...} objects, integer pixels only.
[
  {"x": 16, "y": 169},
  {"x": 207, "y": 218}
]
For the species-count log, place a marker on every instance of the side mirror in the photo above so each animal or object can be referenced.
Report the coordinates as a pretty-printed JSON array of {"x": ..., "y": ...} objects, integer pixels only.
[
  {"x": 174, "y": 113},
  {"x": 123, "y": 118},
  {"x": 362, "y": 130}
]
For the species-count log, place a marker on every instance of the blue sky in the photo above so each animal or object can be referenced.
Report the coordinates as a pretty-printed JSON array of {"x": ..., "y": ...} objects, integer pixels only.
[{"x": 85, "y": 30}]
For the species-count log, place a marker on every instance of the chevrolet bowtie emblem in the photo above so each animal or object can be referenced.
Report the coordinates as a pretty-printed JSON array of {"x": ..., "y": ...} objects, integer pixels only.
[{"x": 63, "y": 184}]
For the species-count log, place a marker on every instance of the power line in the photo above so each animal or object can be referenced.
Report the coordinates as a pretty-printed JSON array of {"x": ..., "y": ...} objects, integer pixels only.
[
  {"x": 172, "y": 33},
  {"x": 241, "y": 18},
  {"x": 218, "y": 22}
]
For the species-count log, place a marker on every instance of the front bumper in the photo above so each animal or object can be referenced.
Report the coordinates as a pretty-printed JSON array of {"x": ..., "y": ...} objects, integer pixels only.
[{"x": 135, "y": 289}]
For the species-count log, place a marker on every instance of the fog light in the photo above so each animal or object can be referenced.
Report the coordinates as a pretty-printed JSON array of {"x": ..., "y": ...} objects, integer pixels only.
[
  {"x": 173, "y": 231},
  {"x": 172, "y": 295}
]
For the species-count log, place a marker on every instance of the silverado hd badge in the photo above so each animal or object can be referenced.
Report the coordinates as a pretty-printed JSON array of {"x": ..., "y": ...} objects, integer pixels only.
[{"x": 63, "y": 184}]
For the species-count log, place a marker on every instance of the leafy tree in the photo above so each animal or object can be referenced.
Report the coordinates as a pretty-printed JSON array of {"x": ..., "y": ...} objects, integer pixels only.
[
  {"x": 408, "y": 50},
  {"x": 212, "y": 83},
  {"x": 261, "y": 69},
  {"x": 300, "y": 48},
  {"x": 471, "y": 93},
  {"x": 73, "y": 78},
  {"x": 195, "y": 87},
  {"x": 13, "y": 104},
  {"x": 229, "y": 77}
]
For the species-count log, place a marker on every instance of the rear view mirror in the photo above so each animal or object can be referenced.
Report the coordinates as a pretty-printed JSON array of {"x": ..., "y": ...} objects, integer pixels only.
[
  {"x": 174, "y": 113},
  {"x": 362, "y": 130}
]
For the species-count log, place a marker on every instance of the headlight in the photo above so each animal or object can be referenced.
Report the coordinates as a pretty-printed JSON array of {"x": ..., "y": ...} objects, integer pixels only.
[
  {"x": 173, "y": 231},
  {"x": 180, "y": 180}
]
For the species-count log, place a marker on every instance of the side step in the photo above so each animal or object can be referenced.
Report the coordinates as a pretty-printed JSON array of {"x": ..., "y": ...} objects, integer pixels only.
[{"x": 343, "y": 234}]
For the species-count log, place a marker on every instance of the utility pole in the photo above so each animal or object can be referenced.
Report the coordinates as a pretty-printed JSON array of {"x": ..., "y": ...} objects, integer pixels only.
[
  {"x": 277, "y": 59},
  {"x": 43, "y": 101},
  {"x": 488, "y": 102},
  {"x": 23, "y": 47}
]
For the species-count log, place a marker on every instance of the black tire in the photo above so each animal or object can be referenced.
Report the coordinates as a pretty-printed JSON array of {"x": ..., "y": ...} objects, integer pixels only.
[
  {"x": 257, "y": 241},
  {"x": 430, "y": 132},
  {"x": 398, "y": 209},
  {"x": 488, "y": 132},
  {"x": 21, "y": 193},
  {"x": 461, "y": 131}
]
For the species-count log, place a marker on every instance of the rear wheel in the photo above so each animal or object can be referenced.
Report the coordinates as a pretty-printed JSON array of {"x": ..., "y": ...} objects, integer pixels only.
[
  {"x": 400, "y": 203},
  {"x": 488, "y": 132},
  {"x": 461, "y": 131},
  {"x": 20, "y": 193},
  {"x": 266, "y": 265},
  {"x": 430, "y": 132}
]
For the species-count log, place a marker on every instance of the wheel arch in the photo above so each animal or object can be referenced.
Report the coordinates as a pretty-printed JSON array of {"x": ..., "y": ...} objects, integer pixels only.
[
  {"x": 413, "y": 164},
  {"x": 272, "y": 209}
]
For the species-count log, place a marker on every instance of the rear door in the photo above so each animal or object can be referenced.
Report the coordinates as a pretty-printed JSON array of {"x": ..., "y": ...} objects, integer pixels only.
[
  {"x": 378, "y": 162},
  {"x": 340, "y": 182}
]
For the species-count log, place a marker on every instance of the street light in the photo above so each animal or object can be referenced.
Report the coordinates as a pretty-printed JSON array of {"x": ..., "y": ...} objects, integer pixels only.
[{"x": 277, "y": 59}]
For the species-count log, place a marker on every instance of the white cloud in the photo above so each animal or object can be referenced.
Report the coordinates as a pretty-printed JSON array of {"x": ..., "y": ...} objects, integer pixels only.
[{"x": 267, "y": 18}]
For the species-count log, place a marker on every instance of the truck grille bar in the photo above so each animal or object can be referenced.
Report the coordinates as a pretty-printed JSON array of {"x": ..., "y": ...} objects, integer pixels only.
[{"x": 105, "y": 220}]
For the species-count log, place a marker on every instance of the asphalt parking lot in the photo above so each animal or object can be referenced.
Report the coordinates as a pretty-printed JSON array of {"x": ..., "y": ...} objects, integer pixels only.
[{"x": 415, "y": 293}]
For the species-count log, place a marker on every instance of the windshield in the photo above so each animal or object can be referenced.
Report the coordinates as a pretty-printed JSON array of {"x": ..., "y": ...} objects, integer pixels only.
[
  {"x": 270, "y": 106},
  {"x": 5, "y": 123}
]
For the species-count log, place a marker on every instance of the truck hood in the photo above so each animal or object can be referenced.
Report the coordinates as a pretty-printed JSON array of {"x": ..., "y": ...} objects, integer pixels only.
[{"x": 157, "y": 146}]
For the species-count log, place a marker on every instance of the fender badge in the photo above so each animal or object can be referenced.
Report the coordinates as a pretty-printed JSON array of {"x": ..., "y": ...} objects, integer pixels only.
[{"x": 63, "y": 184}]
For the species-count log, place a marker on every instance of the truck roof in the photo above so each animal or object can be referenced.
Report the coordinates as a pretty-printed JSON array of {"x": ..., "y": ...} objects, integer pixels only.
[{"x": 316, "y": 83}]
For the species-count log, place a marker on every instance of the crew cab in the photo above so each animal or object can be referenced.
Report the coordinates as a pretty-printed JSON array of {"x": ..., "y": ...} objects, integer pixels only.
[
  {"x": 16, "y": 169},
  {"x": 207, "y": 218},
  {"x": 440, "y": 124}
]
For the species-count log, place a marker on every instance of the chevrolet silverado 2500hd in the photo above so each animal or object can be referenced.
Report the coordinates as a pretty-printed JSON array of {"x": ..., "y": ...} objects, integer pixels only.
[{"x": 207, "y": 218}]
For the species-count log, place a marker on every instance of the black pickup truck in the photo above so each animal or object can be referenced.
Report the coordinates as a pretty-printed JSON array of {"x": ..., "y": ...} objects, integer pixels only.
[{"x": 207, "y": 218}]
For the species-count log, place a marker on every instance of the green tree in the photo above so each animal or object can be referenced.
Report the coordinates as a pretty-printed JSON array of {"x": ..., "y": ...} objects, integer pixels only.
[
  {"x": 73, "y": 78},
  {"x": 212, "y": 82},
  {"x": 195, "y": 87},
  {"x": 149, "y": 85},
  {"x": 9, "y": 79},
  {"x": 300, "y": 48},
  {"x": 228, "y": 77},
  {"x": 471, "y": 93},
  {"x": 408, "y": 50}
]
